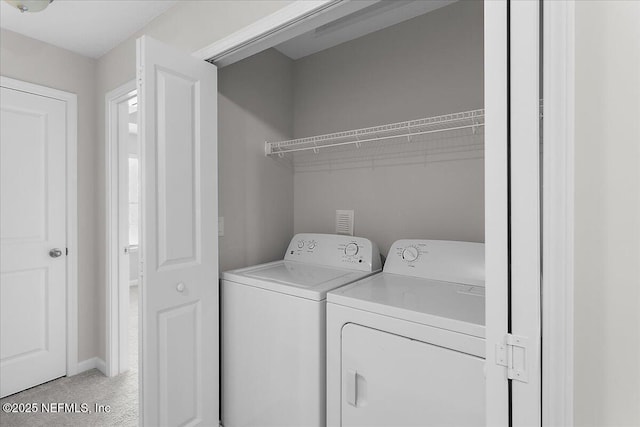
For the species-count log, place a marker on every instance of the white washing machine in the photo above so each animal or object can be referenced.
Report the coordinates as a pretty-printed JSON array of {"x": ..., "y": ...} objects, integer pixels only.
[
  {"x": 406, "y": 347},
  {"x": 274, "y": 328}
]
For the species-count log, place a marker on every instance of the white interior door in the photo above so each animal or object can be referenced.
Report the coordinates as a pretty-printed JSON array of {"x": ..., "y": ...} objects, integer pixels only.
[
  {"x": 177, "y": 105},
  {"x": 123, "y": 232},
  {"x": 123, "y": 141},
  {"x": 33, "y": 240}
]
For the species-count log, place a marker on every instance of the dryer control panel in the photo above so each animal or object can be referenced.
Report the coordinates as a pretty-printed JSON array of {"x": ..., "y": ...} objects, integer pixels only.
[
  {"x": 356, "y": 253},
  {"x": 446, "y": 260}
]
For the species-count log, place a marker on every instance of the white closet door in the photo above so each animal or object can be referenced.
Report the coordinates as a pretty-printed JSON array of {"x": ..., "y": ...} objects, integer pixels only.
[
  {"x": 496, "y": 206},
  {"x": 33, "y": 204},
  {"x": 525, "y": 210},
  {"x": 512, "y": 203},
  {"x": 179, "y": 247}
]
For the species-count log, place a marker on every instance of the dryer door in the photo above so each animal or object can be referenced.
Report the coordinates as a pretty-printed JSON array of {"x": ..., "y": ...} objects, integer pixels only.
[{"x": 389, "y": 380}]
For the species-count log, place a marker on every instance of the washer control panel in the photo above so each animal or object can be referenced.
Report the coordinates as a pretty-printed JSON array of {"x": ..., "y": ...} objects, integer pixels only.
[
  {"x": 334, "y": 250},
  {"x": 446, "y": 260}
]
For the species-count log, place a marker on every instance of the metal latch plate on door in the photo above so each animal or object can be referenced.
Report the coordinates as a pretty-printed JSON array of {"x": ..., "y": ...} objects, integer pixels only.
[{"x": 513, "y": 354}]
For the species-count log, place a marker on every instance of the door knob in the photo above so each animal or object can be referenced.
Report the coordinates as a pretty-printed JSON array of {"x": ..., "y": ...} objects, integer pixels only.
[
  {"x": 55, "y": 253},
  {"x": 180, "y": 287}
]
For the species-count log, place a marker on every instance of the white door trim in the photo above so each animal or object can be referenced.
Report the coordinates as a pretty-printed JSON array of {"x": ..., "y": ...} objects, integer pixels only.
[
  {"x": 114, "y": 339},
  {"x": 71, "y": 103},
  {"x": 558, "y": 212}
]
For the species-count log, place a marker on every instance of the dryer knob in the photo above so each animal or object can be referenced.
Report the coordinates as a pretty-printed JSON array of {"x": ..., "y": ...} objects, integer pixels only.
[{"x": 410, "y": 253}]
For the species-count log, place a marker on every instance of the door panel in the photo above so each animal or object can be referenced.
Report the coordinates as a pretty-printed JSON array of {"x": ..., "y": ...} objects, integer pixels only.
[
  {"x": 178, "y": 172},
  {"x": 390, "y": 380},
  {"x": 179, "y": 340},
  {"x": 525, "y": 206},
  {"x": 24, "y": 213},
  {"x": 179, "y": 259},
  {"x": 496, "y": 205},
  {"x": 33, "y": 284}
]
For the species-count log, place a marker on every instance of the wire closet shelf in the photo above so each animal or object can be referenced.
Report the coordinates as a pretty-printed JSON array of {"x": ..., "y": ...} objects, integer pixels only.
[{"x": 472, "y": 119}]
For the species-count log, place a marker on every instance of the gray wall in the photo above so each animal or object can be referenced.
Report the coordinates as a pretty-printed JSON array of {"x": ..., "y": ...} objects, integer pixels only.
[
  {"x": 427, "y": 66},
  {"x": 256, "y": 194},
  {"x": 189, "y": 25},
  {"x": 607, "y": 214},
  {"x": 33, "y": 61}
]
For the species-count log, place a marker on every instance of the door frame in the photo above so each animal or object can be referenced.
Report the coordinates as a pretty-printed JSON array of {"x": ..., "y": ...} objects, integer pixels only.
[
  {"x": 557, "y": 217},
  {"x": 558, "y": 212},
  {"x": 71, "y": 177},
  {"x": 115, "y": 340}
]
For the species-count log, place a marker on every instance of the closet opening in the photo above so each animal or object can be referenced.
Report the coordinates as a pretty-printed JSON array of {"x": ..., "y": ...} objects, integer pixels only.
[{"x": 380, "y": 113}]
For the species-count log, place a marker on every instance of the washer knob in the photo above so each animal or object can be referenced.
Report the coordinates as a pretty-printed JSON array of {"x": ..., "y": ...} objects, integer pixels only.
[
  {"x": 312, "y": 245},
  {"x": 301, "y": 244},
  {"x": 351, "y": 249},
  {"x": 410, "y": 253}
]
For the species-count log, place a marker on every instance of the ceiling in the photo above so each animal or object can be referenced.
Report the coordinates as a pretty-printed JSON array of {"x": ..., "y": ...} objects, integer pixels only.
[
  {"x": 88, "y": 27},
  {"x": 378, "y": 15}
]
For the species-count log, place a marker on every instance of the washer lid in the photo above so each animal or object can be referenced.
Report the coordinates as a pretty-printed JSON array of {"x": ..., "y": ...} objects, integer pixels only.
[
  {"x": 451, "y": 306},
  {"x": 295, "y": 278}
]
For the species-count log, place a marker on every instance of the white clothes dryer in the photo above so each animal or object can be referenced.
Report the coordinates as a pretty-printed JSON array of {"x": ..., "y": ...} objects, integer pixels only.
[
  {"x": 406, "y": 347},
  {"x": 274, "y": 327}
]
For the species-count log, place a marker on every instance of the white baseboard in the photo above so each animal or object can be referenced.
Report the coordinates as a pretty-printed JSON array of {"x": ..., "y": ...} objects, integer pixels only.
[
  {"x": 93, "y": 363},
  {"x": 101, "y": 366}
]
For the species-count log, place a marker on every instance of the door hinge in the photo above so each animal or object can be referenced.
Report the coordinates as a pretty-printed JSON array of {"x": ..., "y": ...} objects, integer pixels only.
[
  {"x": 66, "y": 251},
  {"x": 513, "y": 354},
  {"x": 139, "y": 76}
]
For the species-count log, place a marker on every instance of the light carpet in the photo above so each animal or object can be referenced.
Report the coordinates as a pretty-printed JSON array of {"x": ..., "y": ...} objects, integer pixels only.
[{"x": 90, "y": 387}]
